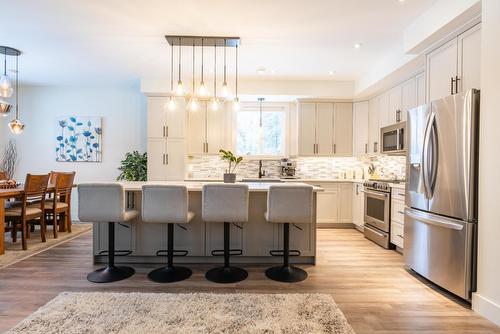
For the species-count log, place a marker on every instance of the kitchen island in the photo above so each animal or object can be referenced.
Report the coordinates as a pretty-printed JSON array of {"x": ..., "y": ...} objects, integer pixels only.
[{"x": 256, "y": 237}]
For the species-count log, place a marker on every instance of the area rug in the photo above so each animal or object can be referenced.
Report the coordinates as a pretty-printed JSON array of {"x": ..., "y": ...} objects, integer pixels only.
[
  {"x": 15, "y": 253},
  {"x": 149, "y": 313}
]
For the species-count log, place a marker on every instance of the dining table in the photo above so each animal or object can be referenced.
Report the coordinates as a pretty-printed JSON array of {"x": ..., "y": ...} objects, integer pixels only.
[{"x": 4, "y": 195}]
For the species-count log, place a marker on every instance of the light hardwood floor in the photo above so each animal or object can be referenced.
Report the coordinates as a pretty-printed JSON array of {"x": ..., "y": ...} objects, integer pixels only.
[{"x": 368, "y": 283}]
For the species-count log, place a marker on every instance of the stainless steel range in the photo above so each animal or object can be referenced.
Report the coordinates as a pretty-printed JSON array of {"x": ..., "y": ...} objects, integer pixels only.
[{"x": 377, "y": 216}]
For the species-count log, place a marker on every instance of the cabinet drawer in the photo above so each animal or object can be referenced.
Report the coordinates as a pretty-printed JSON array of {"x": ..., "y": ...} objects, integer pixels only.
[
  {"x": 397, "y": 211},
  {"x": 398, "y": 194},
  {"x": 397, "y": 234}
]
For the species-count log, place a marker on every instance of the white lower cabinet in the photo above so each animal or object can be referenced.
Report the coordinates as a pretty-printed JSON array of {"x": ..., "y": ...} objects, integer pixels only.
[
  {"x": 334, "y": 204},
  {"x": 397, "y": 217},
  {"x": 397, "y": 234},
  {"x": 358, "y": 205},
  {"x": 166, "y": 159}
]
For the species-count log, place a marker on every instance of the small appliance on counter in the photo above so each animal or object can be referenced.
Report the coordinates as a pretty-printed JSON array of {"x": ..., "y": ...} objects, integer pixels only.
[{"x": 288, "y": 168}]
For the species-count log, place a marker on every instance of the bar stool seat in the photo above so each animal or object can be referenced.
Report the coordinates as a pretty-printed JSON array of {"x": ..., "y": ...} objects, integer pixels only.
[
  {"x": 225, "y": 203},
  {"x": 167, "y": 204},
  {"x": 100, "y": 203},
  {"x": 288, "y": 204}
]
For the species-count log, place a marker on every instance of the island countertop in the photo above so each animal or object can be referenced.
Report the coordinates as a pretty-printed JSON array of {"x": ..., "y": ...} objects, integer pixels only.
[{"x": 198, "y": 186}]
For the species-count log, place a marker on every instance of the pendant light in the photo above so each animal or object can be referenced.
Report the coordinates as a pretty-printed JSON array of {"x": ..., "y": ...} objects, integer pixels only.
[
  {"x": 203, "y": 91},
  {"x": 171, "y": 106},
  {"x": 6, "y": 89},
  {"x": 236, "y": 101},
  {"x": 16, "y": 126},
  {"x": 261, "y": 128},
  {"x": 214, "y": 103},
  {"x": 193, "y": 101},
  {"x": 180, "y": 87},
  {"x": 224, "y": 91}
]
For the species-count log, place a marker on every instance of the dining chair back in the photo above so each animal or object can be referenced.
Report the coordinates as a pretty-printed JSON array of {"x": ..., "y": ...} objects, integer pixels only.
[{"x": 59, "y": 206}]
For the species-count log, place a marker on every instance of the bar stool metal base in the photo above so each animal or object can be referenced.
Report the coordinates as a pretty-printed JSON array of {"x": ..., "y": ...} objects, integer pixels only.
[
  {"x": 170, "y": 274},
  {"x": 226, "y": 275},
  {"x": 288, "y": 274},
  {"x": 110, "y": 274}
]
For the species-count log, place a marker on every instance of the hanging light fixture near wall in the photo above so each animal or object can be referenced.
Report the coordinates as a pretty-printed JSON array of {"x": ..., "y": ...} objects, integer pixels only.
[
  {"x": 6, "y": 89},
  {"x": 261, "y": 127},
  {"x": 214, "y": 103},
  {"x": 236, "y": 101},
  {"x": 193, "y": 101},
  {"x": 16, "y": 126},
  {"x": 180, "y": 87},
  {"x": 224, "y": 90},
  {"x": 171, "y": 106}
]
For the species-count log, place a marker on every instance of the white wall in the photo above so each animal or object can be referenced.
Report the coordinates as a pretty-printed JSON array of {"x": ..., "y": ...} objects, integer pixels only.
[
  {"x": 123, "y": 111},
  {"x": 487, "y": 299}
]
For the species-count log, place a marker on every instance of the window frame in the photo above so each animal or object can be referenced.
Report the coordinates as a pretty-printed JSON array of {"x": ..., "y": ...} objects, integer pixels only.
[{"x": 266, "y": 107}]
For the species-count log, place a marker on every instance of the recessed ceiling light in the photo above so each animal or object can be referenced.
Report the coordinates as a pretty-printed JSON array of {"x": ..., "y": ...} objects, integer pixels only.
[
  {"x": 331, "y": 72},
  {"x": 358, "y": 45}
]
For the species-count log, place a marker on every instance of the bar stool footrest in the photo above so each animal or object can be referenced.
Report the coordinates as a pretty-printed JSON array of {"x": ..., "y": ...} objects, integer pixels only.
[
  {"x": 232, "y": 252},
  {"x": 280, "y": 252},
  {"x": 123, "y": 252},
  {"x": 177, "y": 253}
]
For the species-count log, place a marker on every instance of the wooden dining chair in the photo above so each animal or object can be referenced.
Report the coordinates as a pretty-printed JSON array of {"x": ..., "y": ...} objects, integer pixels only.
[
  {"x": 58, "y": 208},
  {"x": 31, "y": 208}
]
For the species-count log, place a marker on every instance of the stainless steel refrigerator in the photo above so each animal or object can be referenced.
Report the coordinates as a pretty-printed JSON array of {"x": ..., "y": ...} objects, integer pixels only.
[{"x": 441, "y": 194}]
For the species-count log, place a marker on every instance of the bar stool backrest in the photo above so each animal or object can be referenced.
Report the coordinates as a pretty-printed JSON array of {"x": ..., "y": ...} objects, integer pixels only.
[
  {"x": 165, "y": 204},
  {"x": 290, "y": 204},
  {"x": 225, "y": 202},
  {"x": 101, "y": 202}
]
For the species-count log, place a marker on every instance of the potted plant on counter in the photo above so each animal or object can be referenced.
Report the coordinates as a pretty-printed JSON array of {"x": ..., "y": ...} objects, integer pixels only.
[{"x": 233, "y": 162}]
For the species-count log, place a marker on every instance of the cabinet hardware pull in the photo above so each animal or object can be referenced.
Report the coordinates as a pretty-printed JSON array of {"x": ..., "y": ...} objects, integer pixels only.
[
  {"x": 399, "y": 235},
  {"x": 456, "y": 84},
  {"x": 163, "y": 158},
  {"x": 451, "y": 84},
  {"x": 366, "y": 148},
  {"x": 398, "y": 115},
  {"x": 357, "y": 189},
  {"x": 375, "y": 147},
  {"x": 166, "y": 132},
  {"x": 334, "y": 148},
  {"x": 207, "y": 148},
  {"x": 400, "y": 194},
  {"x": 166, "y": 159},
  {"x": 401, "y": 212}
]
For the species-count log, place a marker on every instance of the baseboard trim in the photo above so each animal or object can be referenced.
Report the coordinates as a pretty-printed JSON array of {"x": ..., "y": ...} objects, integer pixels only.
[
  {"x": 335, "y": 225},
  {"x": 486, "y": 308}
]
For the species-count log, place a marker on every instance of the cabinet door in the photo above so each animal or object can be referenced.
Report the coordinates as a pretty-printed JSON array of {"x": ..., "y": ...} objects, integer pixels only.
[
  {"x": 157, "y": 116},
  {"x": 327, "y": 205},
  {"x": 157, "y": 169},
  {"x": 307, "y": 129},
  {"x": 176, "y": 120},
  {"x": 342, "y": 130},
  {"x": 358, "y": 205},
  {"x": 196, "y": 130},
  {"x": 324, "y": 129},
  {"x": 420, "y": 83},
  {"x": 470, "y": 59},
  {"x": 175, "y": 155},
  {"x": 395, "y": 97},
  {"x": 360, "y": 128},
  {"x": 408, "y": 97},
  {"x": 441, "y": 68},
  {"x": 373, "y": 126},
  {"x": 345, "y": 203},
  {"x": 383, "y": 110},
  {"x": 215, "y": 130}
]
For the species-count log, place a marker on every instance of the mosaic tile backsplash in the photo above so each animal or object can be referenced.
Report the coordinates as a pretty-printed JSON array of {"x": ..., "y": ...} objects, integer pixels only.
[{"x": 391, "y": 167}]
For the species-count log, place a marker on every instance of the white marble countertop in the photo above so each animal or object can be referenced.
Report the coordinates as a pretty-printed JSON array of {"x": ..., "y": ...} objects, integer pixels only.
[
  {"x": 299, "y": 180},
  {"x": 197, "y": 186}
]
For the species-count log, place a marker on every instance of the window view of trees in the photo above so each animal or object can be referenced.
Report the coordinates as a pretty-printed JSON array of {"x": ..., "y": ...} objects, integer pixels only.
[{"x": 252, "y": 139}]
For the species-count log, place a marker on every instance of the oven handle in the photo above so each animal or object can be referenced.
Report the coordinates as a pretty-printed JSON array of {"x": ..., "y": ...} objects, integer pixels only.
[{"x": 376, "y": 194}]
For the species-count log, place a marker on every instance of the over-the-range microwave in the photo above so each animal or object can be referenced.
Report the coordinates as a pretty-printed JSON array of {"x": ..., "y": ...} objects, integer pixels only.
[{"x": 393, "y": 138}]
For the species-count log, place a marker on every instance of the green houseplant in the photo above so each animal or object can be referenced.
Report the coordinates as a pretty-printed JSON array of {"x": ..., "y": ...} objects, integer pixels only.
[
  {"x": 134, "y": 167},
  {"x": 233, "y": 162}
]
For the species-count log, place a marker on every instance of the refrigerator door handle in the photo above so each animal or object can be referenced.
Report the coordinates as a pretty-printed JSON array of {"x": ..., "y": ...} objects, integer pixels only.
[
  {"x": 435, "y": 155},
  {"x": 437, "y": 221},
  {"x": 425, "y": 157}
]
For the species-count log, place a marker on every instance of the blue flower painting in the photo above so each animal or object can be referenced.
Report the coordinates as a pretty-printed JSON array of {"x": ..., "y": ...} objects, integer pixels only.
[{"x": 79, "y": 139}]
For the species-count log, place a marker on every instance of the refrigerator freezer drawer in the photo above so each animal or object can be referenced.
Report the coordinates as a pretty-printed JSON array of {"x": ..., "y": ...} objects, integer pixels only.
[{"x": 440, "y": 249}]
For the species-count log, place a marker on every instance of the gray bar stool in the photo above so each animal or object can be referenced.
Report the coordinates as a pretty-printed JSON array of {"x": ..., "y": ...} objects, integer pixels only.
[
  {"x": 225, "y": 203},
  {"x": 100, "y": 203},
  {"x": 288, "y": 204},
  {"x": 167, "y": 204}
]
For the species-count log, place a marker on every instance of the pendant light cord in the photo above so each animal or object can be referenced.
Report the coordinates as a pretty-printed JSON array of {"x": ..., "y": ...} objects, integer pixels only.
[
  {"x": 179, "y": 59},
  {"x": 5, "y": 61},
  {"x": 236, "y": 70},
  {"x": 202, "y": 61},
  {"x": 193, "y": 69},
  {"x": 17, "y": 86},
  {"x": 224, "y": 60},
  {"x": 172, "y": 67},
  {"x": 215, "y": 68}
]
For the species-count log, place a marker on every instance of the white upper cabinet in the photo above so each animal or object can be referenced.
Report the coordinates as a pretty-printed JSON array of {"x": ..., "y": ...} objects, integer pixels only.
[
  {"x": 360, "y": 128},
  {"x": 307, "y": 129},
  {"x": 206, "y": 130},
  {"x": 324, "y": 129},
  {"x": 373, "y": 126},
  {"x": 455, "y": 66},
  {"x": 420, "y": 83},
  {"x": 383, "y": 110},
  {"x": 166, "y": 159},
  {"x": 469, "y": 58},
  {"x": 395, "y": 108},
  {"x": 408, "y": 97},
  {"x": 342, "y": 130},
  {"x": 163, "y": 123}
]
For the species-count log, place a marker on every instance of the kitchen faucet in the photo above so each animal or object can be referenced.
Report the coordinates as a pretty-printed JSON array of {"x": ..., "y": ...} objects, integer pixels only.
[{"x": 261, "y": 171}]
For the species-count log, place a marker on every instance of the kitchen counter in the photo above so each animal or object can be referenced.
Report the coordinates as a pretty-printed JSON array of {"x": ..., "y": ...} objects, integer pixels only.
[
  {"x": 255, "y": 238},
  {"x": 303, "y": 180}
]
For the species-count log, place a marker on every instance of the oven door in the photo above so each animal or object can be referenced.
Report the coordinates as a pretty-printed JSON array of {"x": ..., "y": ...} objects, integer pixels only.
[{"x": 377, "y": 209}]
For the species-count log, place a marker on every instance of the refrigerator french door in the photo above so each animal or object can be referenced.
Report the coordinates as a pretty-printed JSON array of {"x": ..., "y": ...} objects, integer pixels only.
[{"x": 441, "y": 200}]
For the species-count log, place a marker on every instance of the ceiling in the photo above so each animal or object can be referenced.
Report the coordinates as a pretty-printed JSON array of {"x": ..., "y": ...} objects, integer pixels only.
[{"x": 118, "y": 41}]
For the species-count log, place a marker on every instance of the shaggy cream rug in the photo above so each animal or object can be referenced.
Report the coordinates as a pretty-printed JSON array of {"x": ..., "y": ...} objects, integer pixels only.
[{"x": 186, "y": 313}]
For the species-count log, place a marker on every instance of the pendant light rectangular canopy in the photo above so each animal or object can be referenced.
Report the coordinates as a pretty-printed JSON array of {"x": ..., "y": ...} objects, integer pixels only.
[{"x": 183, "y": 40}]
